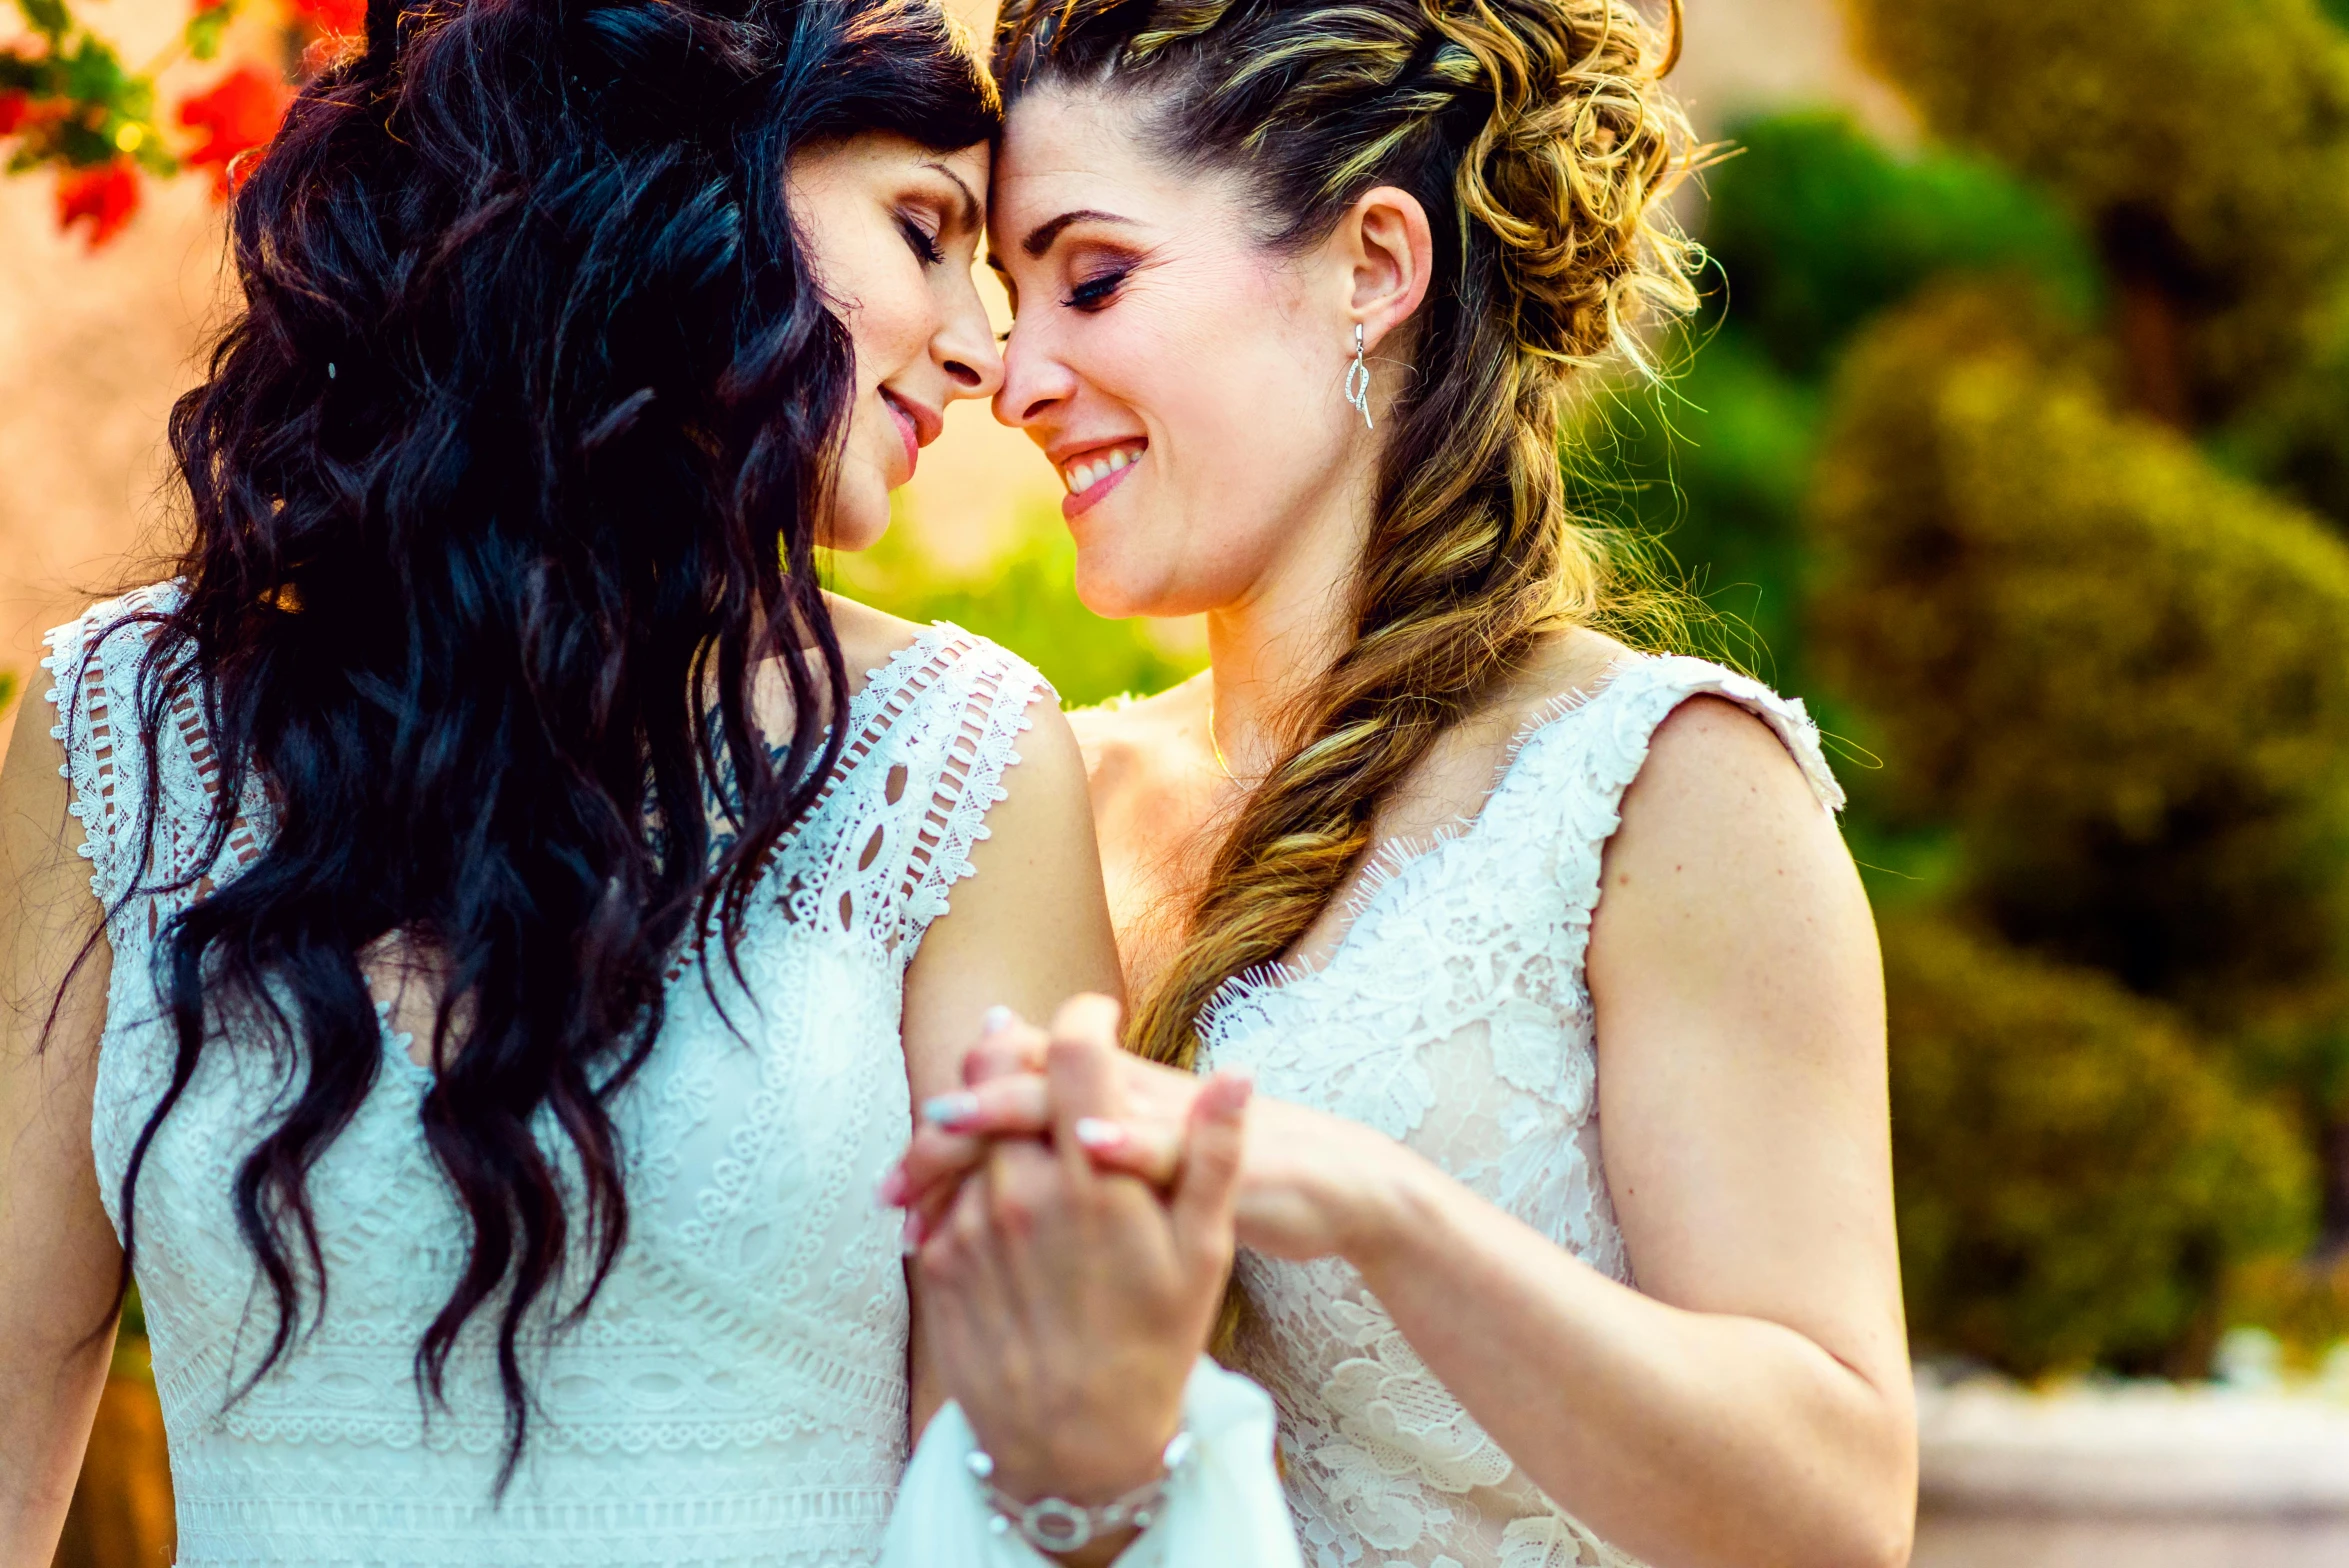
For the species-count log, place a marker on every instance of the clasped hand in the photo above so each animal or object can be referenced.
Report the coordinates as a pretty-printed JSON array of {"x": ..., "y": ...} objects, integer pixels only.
[
  {"x": 1064, "y": 1304},
  {"x": 1308, "y": 1184}
]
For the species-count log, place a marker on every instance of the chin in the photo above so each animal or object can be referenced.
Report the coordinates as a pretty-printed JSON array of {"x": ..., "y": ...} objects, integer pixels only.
[
  {"x": 1118, "y": 591},
  {"x": 860, "y": 515}
]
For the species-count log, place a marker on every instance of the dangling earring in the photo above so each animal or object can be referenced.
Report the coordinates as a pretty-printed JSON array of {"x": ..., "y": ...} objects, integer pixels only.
[{"x": 1358, "y": 381}]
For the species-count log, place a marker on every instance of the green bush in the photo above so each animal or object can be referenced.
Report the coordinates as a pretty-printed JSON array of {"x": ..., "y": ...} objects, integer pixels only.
[
  {"x": 1026, "y": 601},
  {"x": 2205, "y": 141},
  {"x": 2076, "y": 1184},
  {"x": 1817, "y": 227},
  {"x": 2295, "y": 433},
  {"x": 2122, "y": 675}
]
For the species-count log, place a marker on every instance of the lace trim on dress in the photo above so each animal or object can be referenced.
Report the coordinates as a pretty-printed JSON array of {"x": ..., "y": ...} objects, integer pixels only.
[
  {"x": 990, "y": 713},
  {"x": 155, "y": 850},
  {"x": 969, "y": 786}
]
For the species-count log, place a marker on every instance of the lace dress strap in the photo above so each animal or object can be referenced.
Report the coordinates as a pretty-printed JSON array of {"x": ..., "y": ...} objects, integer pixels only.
[
  {"x": 1587, "y": 755},
  {"x": 147, "y": 797},
  {"x": 977, "y": 697},
  {"x": 930, "y": 736}
]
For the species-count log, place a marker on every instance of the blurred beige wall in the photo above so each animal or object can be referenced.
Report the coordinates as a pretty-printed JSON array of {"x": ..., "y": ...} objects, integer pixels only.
[
  {"x": 1740, "y": 56},
  {"x": 93, "y": 348}
]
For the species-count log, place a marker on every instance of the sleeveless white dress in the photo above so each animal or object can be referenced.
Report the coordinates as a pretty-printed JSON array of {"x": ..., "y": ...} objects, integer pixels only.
[
  {"x": 1454, "y": 1017},
  {"x": 738, "y": 1392}
]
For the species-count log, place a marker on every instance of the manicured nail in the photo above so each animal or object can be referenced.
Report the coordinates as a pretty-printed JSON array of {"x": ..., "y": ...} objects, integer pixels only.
[
  {"x": 909, "y": 1235},
  {"x": 889, "y": 1192},
  {"x": 950, "y": 1110},
  {"x": 1094, "y": 1132},
  {"x": 997, "y": 1019}
]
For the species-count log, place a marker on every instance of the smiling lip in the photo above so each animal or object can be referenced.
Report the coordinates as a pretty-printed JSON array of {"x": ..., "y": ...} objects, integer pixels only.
[
  {"x": 1091, "y": 473},
  {"x": 907, "y": 427}
]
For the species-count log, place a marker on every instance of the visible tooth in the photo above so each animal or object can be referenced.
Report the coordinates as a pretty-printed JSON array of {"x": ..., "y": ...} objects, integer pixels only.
[
  {"x": 1094, "y": 474},
  {"x": 1118, "y": 460}
]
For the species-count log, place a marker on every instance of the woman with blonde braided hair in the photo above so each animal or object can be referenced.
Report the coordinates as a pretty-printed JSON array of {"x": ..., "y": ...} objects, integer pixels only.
[{"x": 1300, "y": 287}]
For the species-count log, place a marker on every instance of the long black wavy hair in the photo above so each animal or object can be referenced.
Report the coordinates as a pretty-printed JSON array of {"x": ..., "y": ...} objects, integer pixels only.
[{"x": 503, "y": 483}]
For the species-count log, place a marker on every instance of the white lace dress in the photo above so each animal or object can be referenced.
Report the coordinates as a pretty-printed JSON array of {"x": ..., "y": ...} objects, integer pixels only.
[
  {"x": 737, "y": 1395},
  {"x": 1454, "y": 1017}
]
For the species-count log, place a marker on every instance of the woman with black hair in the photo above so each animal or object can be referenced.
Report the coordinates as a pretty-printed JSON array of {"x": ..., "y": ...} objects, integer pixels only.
[{"x": 520, "y": 927}]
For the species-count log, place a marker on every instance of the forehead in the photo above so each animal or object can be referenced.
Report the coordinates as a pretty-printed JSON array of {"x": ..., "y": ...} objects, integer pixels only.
[
  {"x": 885, "y": 155},
  {"x": 1065, "y": 149},
  {"x": 1056, "y": 140}
]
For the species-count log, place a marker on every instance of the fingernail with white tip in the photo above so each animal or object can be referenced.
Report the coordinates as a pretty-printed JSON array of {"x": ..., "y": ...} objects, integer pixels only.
[
  {"x": 909, "y": 1236},
  {"x": 950, "y": 1110},
  {"x": 997, "y": 1019},
  {"x": 1095, "y": 1132}
]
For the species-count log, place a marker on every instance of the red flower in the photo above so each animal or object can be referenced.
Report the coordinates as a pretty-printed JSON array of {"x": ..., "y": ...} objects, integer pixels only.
[
  {"x": 345, "y": 18},
  {"x": 238, "y": 115},
  {"x": 106, "y": 197},
  {"x": 12, "y": 111}
]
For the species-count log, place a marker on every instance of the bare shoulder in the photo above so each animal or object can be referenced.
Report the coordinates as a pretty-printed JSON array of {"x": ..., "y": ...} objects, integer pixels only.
[
  {"x": 1049, "y": 772},
  {"x": 45, "y": 885},
  {"x": 869, "y": 638},
  {"x": 1722, "y": 822},
  {"x": 1714, "y": 755},
  {"x": 1135, "y": 745},
  {"x": 37, "y": 826}
]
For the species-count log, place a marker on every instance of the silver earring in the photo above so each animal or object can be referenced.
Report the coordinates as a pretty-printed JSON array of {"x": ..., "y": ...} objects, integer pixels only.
[{"x": 1358, "y": 381}]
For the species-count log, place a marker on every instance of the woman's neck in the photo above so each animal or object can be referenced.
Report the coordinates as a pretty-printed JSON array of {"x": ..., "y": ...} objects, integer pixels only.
[{"x": 1267, "y": 647}]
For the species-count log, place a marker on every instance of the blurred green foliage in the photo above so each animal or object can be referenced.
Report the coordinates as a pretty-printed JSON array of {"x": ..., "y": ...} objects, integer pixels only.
[
  {"x": 1817, "y": 227},
  {"x": 2119, "y": 678},
  {"x": 2077, "y": 1180},
  {"x": 2121, "y": 674},
  {"x": 2204, "y": 142},
  {"x": 1027, "y": 601},
  {"x": 1713, "y": 462},
  {"x": 1814, "y": 228}
]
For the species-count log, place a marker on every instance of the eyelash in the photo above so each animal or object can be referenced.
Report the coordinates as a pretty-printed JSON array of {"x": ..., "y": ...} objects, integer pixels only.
[
  {"x": 1094, "y": 293},
  {"x": 923, "y": 245}
]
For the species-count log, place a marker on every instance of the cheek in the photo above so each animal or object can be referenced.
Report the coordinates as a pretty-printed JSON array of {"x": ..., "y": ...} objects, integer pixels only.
[
  {"x": 1242, "y": 447},
  {"x": 891, "y": 313}
]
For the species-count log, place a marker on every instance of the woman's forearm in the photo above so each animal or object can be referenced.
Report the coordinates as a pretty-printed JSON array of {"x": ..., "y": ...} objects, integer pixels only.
[{"x": 1691, "y": 1439}]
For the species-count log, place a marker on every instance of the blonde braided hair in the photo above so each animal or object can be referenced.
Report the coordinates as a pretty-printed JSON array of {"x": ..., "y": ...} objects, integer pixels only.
[{"x": 1537, "y": 135}]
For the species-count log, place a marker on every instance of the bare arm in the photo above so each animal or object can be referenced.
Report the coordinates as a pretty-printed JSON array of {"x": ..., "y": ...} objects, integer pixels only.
[
  {"x": 1751, "y": 1403},
  {"x": 58, "y": 1256},
  {"x": 1027, "y": 931}
]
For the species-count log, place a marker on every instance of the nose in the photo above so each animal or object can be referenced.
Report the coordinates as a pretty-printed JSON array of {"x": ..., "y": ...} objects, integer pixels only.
[
  {"x": 965, "y": 349},
  {"x": 1035, "y": 381}
]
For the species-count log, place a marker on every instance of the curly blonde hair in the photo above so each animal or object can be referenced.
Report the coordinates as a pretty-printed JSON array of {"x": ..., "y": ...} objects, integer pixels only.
[{"x": 1539, "y": 138}]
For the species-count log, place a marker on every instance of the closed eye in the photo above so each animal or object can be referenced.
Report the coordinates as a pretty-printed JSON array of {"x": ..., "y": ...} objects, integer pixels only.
[
  {"x": 1096, "y": 292},
  {"x": 923, "y": 242}
]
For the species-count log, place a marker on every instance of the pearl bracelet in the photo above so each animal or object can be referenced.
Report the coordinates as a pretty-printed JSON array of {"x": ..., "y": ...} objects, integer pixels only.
[{"x": 1054, "y": 1524}]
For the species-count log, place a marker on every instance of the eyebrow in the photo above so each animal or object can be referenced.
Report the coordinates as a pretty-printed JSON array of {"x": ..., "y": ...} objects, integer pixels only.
[
  {"x": 1040, "y": 238},
  {"x": 973, "y": 215}
]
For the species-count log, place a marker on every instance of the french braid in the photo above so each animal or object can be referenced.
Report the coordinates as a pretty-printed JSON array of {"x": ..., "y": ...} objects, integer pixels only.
[{"x": 1538, "y": 137}]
